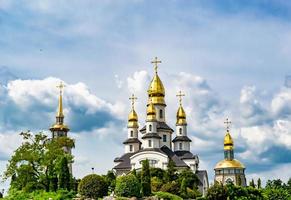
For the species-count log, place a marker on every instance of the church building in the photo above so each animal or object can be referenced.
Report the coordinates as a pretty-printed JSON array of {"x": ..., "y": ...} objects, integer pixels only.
[
  {"x": 156, "y": 140},
  {"x": 229, "y": 170}
]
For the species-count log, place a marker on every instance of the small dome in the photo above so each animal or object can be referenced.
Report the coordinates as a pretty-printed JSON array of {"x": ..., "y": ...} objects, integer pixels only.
[
  {"x": 132, "y": 116},
  {"x": 181, "y": 116},
  {"x": 229, "y": 164},
  {"x": 151, "y": 112},
  {"x": 132, "y": 119},
  {"x": 228, "y": 142}
]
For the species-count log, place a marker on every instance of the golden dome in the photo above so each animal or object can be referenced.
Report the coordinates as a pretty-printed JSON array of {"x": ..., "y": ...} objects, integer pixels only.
[
  {"x": 181, "y": 116},
  {"x": 132, "y": 119},
  {"x": 229, "y": 164},
  {"x": 156, "y": 90},
  {"x": 228, "y": 142},
  {"x": 151, "y": 112},
  {"x": 59, "y": 127}
]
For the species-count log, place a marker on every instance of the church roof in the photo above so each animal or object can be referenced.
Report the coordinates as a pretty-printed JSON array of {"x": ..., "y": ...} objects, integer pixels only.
[
  {"x": 160, "y": 125},
  {"x": 131, "y": 140},
  {"x": 181, "y": 138},
  {"x": 185, "y": 155},
  {"x": 125, "y": 158},
  {"x": 151, "y": 135},
  {"x": 124, "y": 161},
  {"x": 201, "y": 174}
]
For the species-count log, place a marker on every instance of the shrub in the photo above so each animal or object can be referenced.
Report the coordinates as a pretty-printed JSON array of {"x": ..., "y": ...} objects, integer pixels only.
[
  {"x": 171, "y": 187},
  {"x": 127, "y": 186},
  {"x": 145, "y": 179},
  {"x": 156, "y": 184},
  {"x": 93, "y": 186},
  {"x": 167, "y": 196}
]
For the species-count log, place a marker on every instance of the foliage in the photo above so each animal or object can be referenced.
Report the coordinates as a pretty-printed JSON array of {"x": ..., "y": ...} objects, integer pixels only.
[
  {"x": 35, "y": 165},
  {"x": 156, "y": 184},
  {"x": 158, "y": 172},
  {"x": 39, "y": 195},
  {"x": 216, "y": 192},
  {"x": 64, "y": 175},
  {"x": 171, "y": 187},
  {"x": 127, "y": 186},
  {"x": 93, "y": 186},
  {"x": 171, "y": 171},
  {"x": 167, "y": 196},
  {"x": 145, "y": 178},
  {"x": 191, "y": 179},
  {"x": 110, "y": 179}
]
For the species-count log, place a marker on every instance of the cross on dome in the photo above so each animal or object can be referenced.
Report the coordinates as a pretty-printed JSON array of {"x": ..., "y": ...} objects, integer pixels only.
[
  {"x": 61, "y": 86},
  {"x": 228, "y": 123},
  {"x": 133, "y": 99},
  {"x": 180, "y": 95},
  {"x": 156, "y": 62}
]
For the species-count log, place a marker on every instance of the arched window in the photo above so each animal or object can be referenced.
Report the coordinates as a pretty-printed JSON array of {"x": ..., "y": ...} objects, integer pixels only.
[
  {"x": 180, "y": 131},
  {"x": 150, "y": 127},
  {"x": 161, "y": 113},
  {"x": 131, "y": 133},
  {"x": 180, "y": 146},
  {"x": 130, "y": 148}
]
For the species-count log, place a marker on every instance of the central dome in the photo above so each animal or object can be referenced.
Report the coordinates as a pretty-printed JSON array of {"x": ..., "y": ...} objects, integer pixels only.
[
  {"x": 156, "y": 87},
  {"x": 229, "y": 164}
]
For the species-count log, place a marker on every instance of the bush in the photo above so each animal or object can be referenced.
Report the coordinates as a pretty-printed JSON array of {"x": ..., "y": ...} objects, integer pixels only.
[
  {"x": 167, "y": 196},
  {"x": 39, "y": 195},
  {"x": 156, "y": 184},
  {"x": 127, "y": 186},
  {"x": 93, "y": 186},
  {"x": 171, "y": 187}
]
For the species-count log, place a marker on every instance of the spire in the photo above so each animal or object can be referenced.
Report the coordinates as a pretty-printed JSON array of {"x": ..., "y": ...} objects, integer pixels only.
[
  {"x": 151, "y": 111},
  {"x": 181, "y": 115},
  {"x": 60, "y": 107},
  {"x": 132, "y": 117},
  {"x": 228, "y": 142},
  {"x": 156, "y": 89}
]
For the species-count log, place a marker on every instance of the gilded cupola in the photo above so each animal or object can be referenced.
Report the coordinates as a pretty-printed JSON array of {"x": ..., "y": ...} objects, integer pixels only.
[
  {"x": 151, "y": 111},
  {"x": 181, "y": 115},
  {"x": 132, "y": 117},
  {"x": 156, "y": 89},
  {"x": 228, "y": 142}
]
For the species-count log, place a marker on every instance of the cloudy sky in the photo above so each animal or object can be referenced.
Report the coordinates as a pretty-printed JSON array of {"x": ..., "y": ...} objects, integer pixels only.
[{"x": 229, "y": 57}]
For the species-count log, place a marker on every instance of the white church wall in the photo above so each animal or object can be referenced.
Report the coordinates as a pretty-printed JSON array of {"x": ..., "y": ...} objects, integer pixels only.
[
  {"x": 160, "y": 160},
  {"x": 158, "y": 108}
]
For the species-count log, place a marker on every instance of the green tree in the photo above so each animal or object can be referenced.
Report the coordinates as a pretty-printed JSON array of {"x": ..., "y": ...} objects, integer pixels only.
[
  {"x": 35, "y": 163},
  {"x": 64, "y": 175},
  {"x": 127, "y": 186},
  {"x": 145, "y": 178},
  {"x": 171, "y": 171},
  {"x": 156, "y": 184},
  {"x": 191, "y": 179},
  {"x": 252, "y": 183},
  {"x": 93, "y": 186},
  {"x": 110, "y": 179},
  {"x": 259, "y": 183},
  {"x": 158, "y": 172},
  {"x": 183, "y": 189},
  {"x": 217, "y": 192}
]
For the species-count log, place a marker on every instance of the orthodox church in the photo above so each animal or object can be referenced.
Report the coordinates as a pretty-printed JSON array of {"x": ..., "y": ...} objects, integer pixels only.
[
  {"x": 229, "y": 170},
  {"x": 154, "y": 141}
]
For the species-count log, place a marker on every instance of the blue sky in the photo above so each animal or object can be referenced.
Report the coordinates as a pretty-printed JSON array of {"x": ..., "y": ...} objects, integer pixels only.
[{"x": 230, "y": 58}]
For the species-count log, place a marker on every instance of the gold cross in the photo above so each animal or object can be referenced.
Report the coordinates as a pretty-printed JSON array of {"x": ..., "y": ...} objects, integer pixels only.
[
  {"x": 227, "y": 122},
  {"x": 132, "y": 98},
  {"x": 61, "y": 87},
  {"x": 156, "y": 62},
  {"x": 180, "y": 95}
]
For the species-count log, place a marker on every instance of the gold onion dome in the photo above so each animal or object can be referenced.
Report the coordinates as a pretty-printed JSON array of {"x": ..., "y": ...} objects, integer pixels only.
[
  {"x": 132, "y": 119},
  {"x": 229, "y": 164},
  {"x": 156, "y": 89},
  {"x": 151, "y": 112},
  {"x": 228, "y": 142},
  {"x": 181, "y": 116}
]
